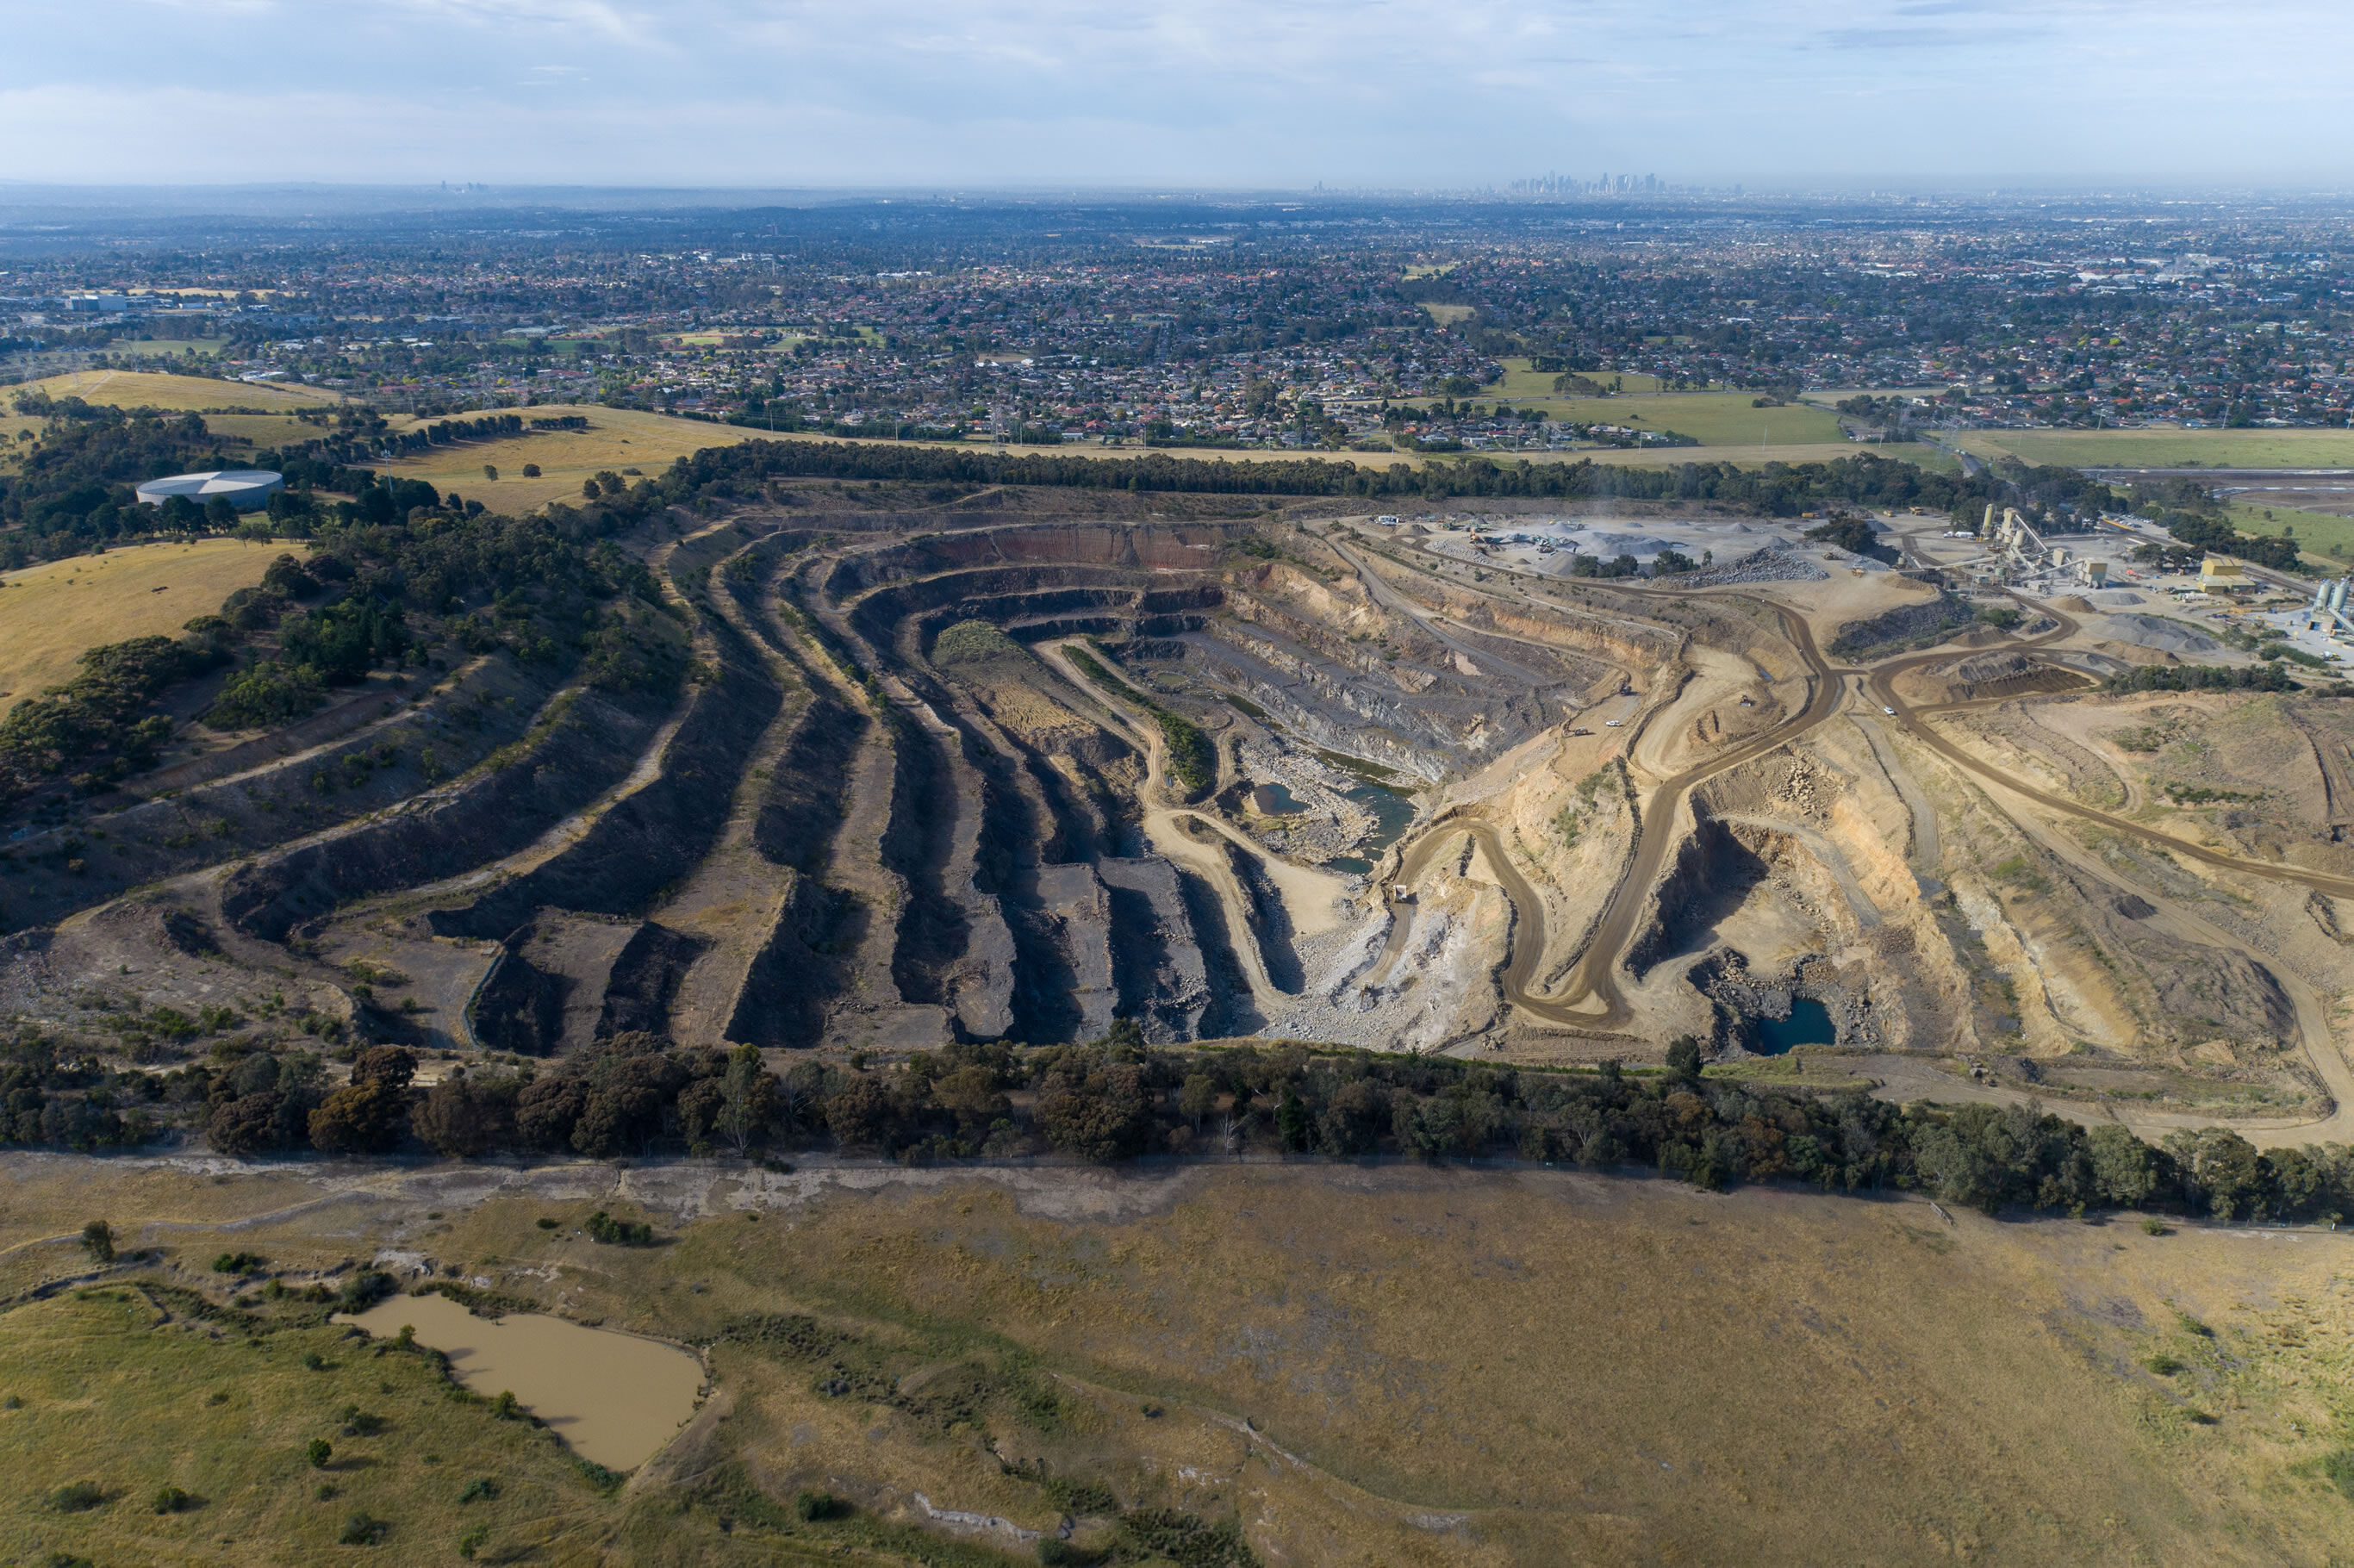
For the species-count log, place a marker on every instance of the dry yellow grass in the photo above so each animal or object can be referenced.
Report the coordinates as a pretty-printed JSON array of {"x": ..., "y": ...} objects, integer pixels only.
[
  {"x": 1366, "y": 1366},
  {"x": 1397, "y": 1365},
  {"x": 264, "y": 429},
  {"x": 50, "y": 614},
  {"x": 617, "y": 438},
  {"x": 152, "y": 390}
]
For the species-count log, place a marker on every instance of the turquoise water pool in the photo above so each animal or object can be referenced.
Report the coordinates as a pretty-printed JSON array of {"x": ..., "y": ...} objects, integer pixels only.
[
  {"x": 1809, "y": 1023},
  {"x": 1392, "y": 811}
]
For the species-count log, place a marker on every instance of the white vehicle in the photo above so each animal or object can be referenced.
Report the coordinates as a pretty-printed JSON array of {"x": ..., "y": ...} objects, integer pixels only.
[
  {"x": 1613, "y": 724},
  {"x": 1889, "y": 712}
]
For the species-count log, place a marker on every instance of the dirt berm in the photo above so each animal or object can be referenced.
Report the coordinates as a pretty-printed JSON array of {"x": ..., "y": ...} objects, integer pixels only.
[{"x": 645, "y": 842}]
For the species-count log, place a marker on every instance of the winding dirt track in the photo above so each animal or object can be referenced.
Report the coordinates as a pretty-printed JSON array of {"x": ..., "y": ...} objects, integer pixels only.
[
  {"x": 1590, "y": 1001},
  {"x": 1879, "y": 681}
]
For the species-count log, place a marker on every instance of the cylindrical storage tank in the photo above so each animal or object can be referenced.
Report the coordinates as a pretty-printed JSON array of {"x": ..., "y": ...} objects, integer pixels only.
[{"x": 243, "y": 488}]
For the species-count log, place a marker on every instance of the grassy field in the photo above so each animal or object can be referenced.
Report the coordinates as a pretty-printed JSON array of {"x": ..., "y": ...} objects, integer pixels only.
[
  {"x": 2318, "y": 532},
  {"x": 264, "y": 429},
  {"x": 617, "y": 438},
  {"x": 1522, "y": 385},
  {"x": 2171, "y": 448},
  {"x": 178, "y": 347},
  {"x": 153, "y": 390},
  {"x": 49, "y": 614},
  {"x": 1364, "y": 1365},
  {"x": 1713, "y": 418},
  {"x": 121, "y": 1391}
]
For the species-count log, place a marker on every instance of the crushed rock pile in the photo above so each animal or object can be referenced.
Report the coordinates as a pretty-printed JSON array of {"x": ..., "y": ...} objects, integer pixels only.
[
  {"x": 2157, "y": 631},
  {"x": 1776, "y": 563}
]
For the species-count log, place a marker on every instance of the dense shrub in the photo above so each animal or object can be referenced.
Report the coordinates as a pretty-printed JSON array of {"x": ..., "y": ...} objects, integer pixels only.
[
  {"x": 262, "y": 1104},
  {"x": 97, "y": 724},
  {"x": 603, "y": 1227},
  {"x": 1192, "y": 758},
  {"x": 466, "y": 1115},
  {"x": 265, "y": 693},
  {"x": 1783, "y": 489},
  {"x": 70, "y": 1100},
  {"x": 2262, "y": 677},
  {"x": 77, "y": 1497},
  {"x": 1116, "y": 1099},
  {"x": 369, "y": 1113}
]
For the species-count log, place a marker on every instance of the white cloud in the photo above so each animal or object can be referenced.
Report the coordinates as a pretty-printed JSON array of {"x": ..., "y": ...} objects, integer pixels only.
[{"x": 1233, "y": 91}]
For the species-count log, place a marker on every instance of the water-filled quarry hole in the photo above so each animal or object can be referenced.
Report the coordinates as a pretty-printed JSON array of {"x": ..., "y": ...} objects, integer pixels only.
[
  {"x": 1392, "y": 811},
  {"x": 614, "y": 1398},
  {"x": 1809, "y": 1023},
  {"x": 1274, "y": 800}
]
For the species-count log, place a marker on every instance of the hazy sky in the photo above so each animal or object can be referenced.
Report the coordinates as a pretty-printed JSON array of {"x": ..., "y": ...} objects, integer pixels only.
[{"x": 1229, "y": 93}]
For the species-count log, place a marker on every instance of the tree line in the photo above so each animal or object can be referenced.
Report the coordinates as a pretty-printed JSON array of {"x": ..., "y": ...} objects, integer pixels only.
[
  {"x": 1116, "y": 1099},
  {"x": 452, "y": 432},
  {"x": 740, "y": 473}
]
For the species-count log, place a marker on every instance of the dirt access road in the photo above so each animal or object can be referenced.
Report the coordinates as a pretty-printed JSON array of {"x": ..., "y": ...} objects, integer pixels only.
[
  {"x": 1590, "y": 1000},
  {"x": 1308, "y": 897},
  {"x": 1593, "y": 979}
]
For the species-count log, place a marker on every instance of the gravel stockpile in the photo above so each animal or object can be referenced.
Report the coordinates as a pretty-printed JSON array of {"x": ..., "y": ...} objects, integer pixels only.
[{"x": 2157, "y": 631}]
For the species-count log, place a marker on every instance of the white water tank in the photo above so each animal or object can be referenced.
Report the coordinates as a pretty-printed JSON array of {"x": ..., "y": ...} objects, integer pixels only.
[{"x": 244, "y": 488}]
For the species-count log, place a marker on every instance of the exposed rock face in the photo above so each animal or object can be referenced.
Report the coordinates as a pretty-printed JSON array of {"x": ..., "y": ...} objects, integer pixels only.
[
  {"x": 1163, "y": 981},
  {"x": 1713, "y": 870},
  {"x": 870, "y": 822},
  {"x": 1077, "y": 907},
  {"x": 588, "y": 748},
  {"x": 645, "y": 978},
  {"x": 642, "y": 841}
]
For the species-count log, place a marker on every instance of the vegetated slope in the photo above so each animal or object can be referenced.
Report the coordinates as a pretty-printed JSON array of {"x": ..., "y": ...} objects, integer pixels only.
[
  {"x": 1906, "y": 626},
  {"x": 1770, "y": 1377}
]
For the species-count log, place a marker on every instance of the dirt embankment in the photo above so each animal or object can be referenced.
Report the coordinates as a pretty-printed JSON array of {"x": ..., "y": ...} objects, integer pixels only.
[
  {"x": 638, "y": 847},
  {"x": 580, "y": 750},
  {"x": 1906, "y": 626}
]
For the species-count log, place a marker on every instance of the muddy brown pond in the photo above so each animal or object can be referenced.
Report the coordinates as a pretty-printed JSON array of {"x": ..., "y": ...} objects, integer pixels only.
[{"x": 614, "y": 1398}]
